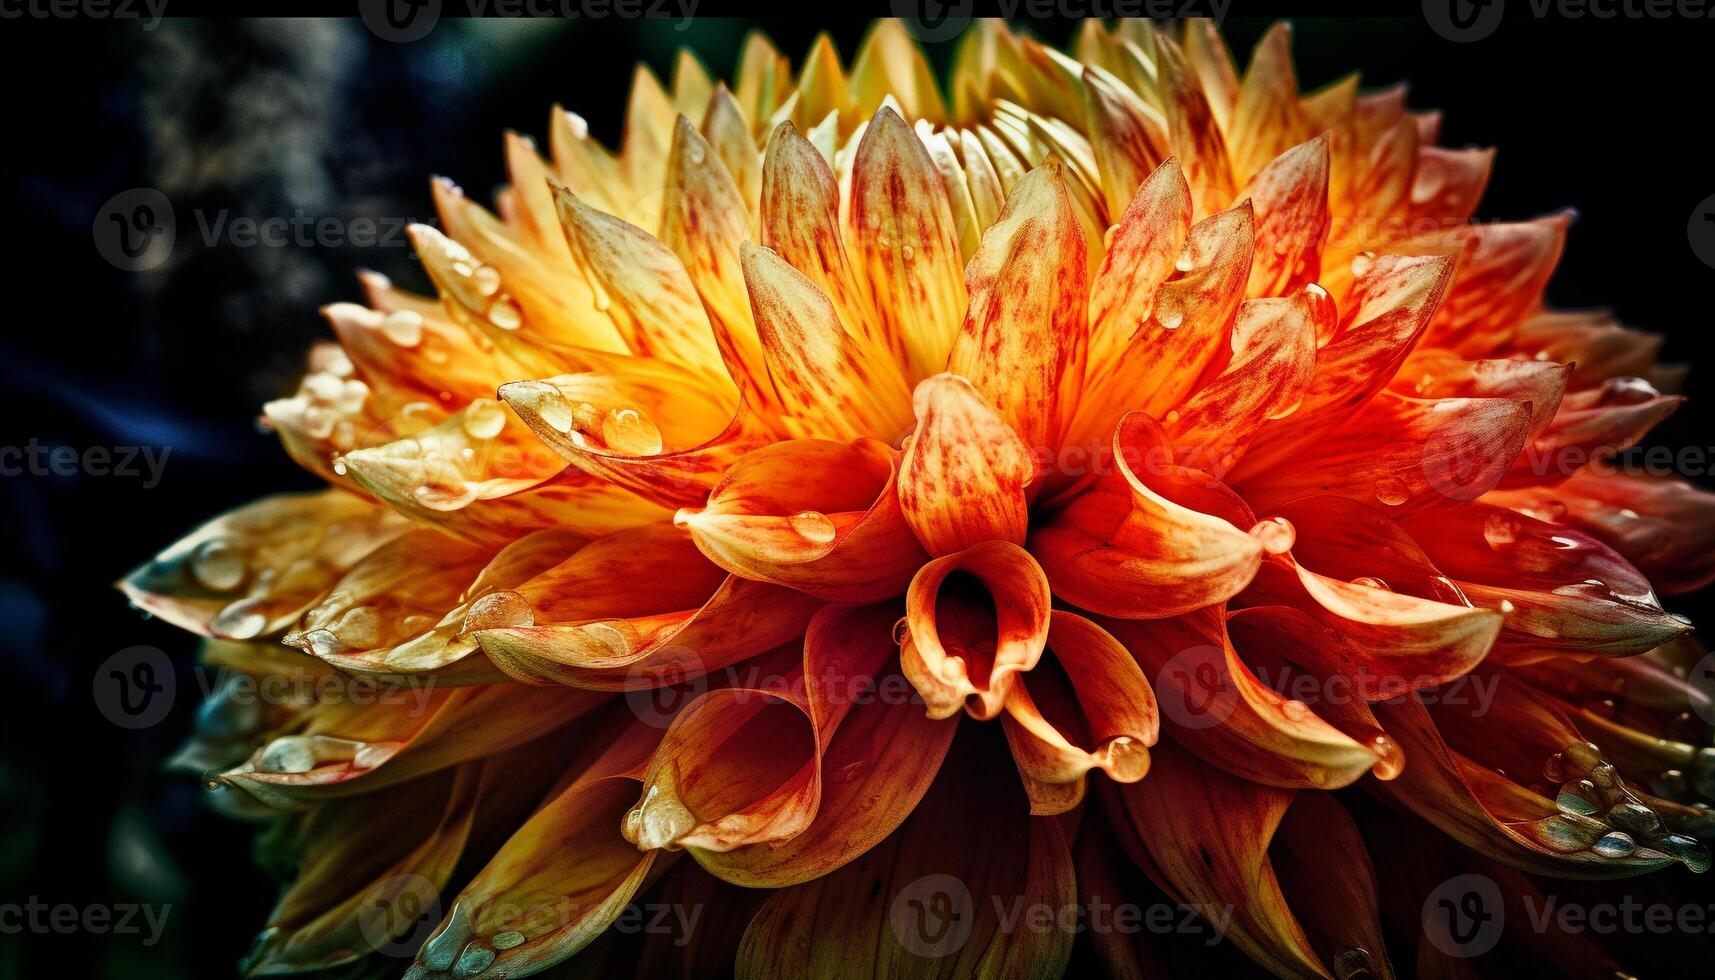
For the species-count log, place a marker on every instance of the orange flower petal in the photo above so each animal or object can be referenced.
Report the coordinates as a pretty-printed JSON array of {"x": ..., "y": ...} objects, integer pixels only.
[
  {"x": 1148, "y": 238},
  {"x": 904, "y": 238},
  {"x": 1218, "y": 709},
  {"x": 253, "y": 571},
  {"x": 1150, "y": 538},
  {"x": 559, "y": 882},
  {"x": 820, "y": 517},
  {"x": 965, "y": 470},
  {"x": 1290, "y": 195},
  {"x": 1023, "y": 340},
  {"x": 881, "y": 915},
  {"x": 967, "y": 642},
  {"x": 878, "y": 764},
  {"x": 829, "y": 382},
  {"x": 1086, "y": 707}
]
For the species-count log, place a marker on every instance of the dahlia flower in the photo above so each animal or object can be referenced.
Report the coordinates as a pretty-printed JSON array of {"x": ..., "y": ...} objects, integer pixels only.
[{"x": 843, "y": 487}]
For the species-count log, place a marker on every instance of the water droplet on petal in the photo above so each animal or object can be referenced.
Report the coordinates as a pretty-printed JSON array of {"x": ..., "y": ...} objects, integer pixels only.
[
  {"x": 813, "y": 526},
  {"x": 484, "y": 419},
  {"x": 1371, "y": 582},
  {"x": 1363, "y": 262},
  {"x": 241, "y": 620},
  {"x": 628, "y": 431},
  {"x": 403, "y": 327},
  {"x": 1391, "y": 491},
  {"x": 486, "y": 279},
  {"x": 1275, "y": 534},
  {"x": 505, "y": 314},
  {"x": 1615, "y": 845},
  {"x": 219, "y": 564},
  {"x": 499, "y": 610},
  {"x": 1128, "y": 759}
]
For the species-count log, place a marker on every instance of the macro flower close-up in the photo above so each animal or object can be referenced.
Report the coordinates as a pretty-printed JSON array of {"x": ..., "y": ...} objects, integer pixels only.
[{"x": 869, "y": 510}]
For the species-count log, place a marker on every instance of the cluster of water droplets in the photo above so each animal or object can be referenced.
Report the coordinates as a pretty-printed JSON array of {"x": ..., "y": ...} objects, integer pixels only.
[
  {"x": 623, "y": 430},
  {"x": 455, "y": 952},
  {"x": 328, "y": 398},
  {"x": 1591, "y": 789}
]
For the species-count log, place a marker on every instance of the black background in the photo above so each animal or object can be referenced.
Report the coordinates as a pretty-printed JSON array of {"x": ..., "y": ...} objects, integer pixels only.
[{"x": 1609, "y": 117}]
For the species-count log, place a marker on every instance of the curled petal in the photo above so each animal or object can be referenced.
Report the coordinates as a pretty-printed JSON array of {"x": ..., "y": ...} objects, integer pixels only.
[
  {"x": 559, "y": 882},
  {"x": 1150, "y": 538},
  {"x": 1203, "y": 836},
  {"x": 820, "y": 517},
  {"x": 1405, "y": 454},
  {"x": 877, "y": 764},
  {"x": 965, "y": 471},
  {"x": 1434, "y": 373},
  {"x": 1215, "y": 706},
  {"x": 1086, "y": 707},
  {"x": 976, "y": 619},
  {"x": 253, "y": 571},
  {"x": 636, "y": 609},
  {"x": 878, "y": 915},
  {"x": 1490, "y": 813},
  {"x": 1405, "y": 642},
  {"x": 1664, "y": 526},
  {"x": 364, "y": 862},
  {"x": 438, "y": 641},
  {"x": 645, "y": 427}
]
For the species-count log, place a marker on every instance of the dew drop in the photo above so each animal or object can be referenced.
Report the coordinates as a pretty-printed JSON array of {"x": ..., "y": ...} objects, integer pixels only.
[
  {"x": 1390, "y": 758},
  {"x": 241, "y": 620},
  {"x": 1128, "y": 759},
  {"x": 403, "y": 327},
  {"x": 1615, "y": 845},
  {"x": 484, "y": 419},
  {"x": 486, "y": 279},
  {"x": 219, "y": 564},
  {"x": 1391, "y": 491},
  {"x": 813, "y": 526},
  {"x": 505, "y": 314},
  {"x": 1363, "y": 262},
  {"x": 1371, "y": 582},
  {"x": 901, "y": 630},
  {"x": 1170, "y": 319},
  {"x": 499, "y": 610},
  {"x": 476, "y": 958},
  {"x": 1275, "y": 534},
  {"x": 628, "y": 431},
  {"x": 507, "y": 940}
]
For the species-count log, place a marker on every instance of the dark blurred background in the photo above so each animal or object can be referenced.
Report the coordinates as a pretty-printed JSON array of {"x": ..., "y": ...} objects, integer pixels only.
[{"x": 322, "y": 118}]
